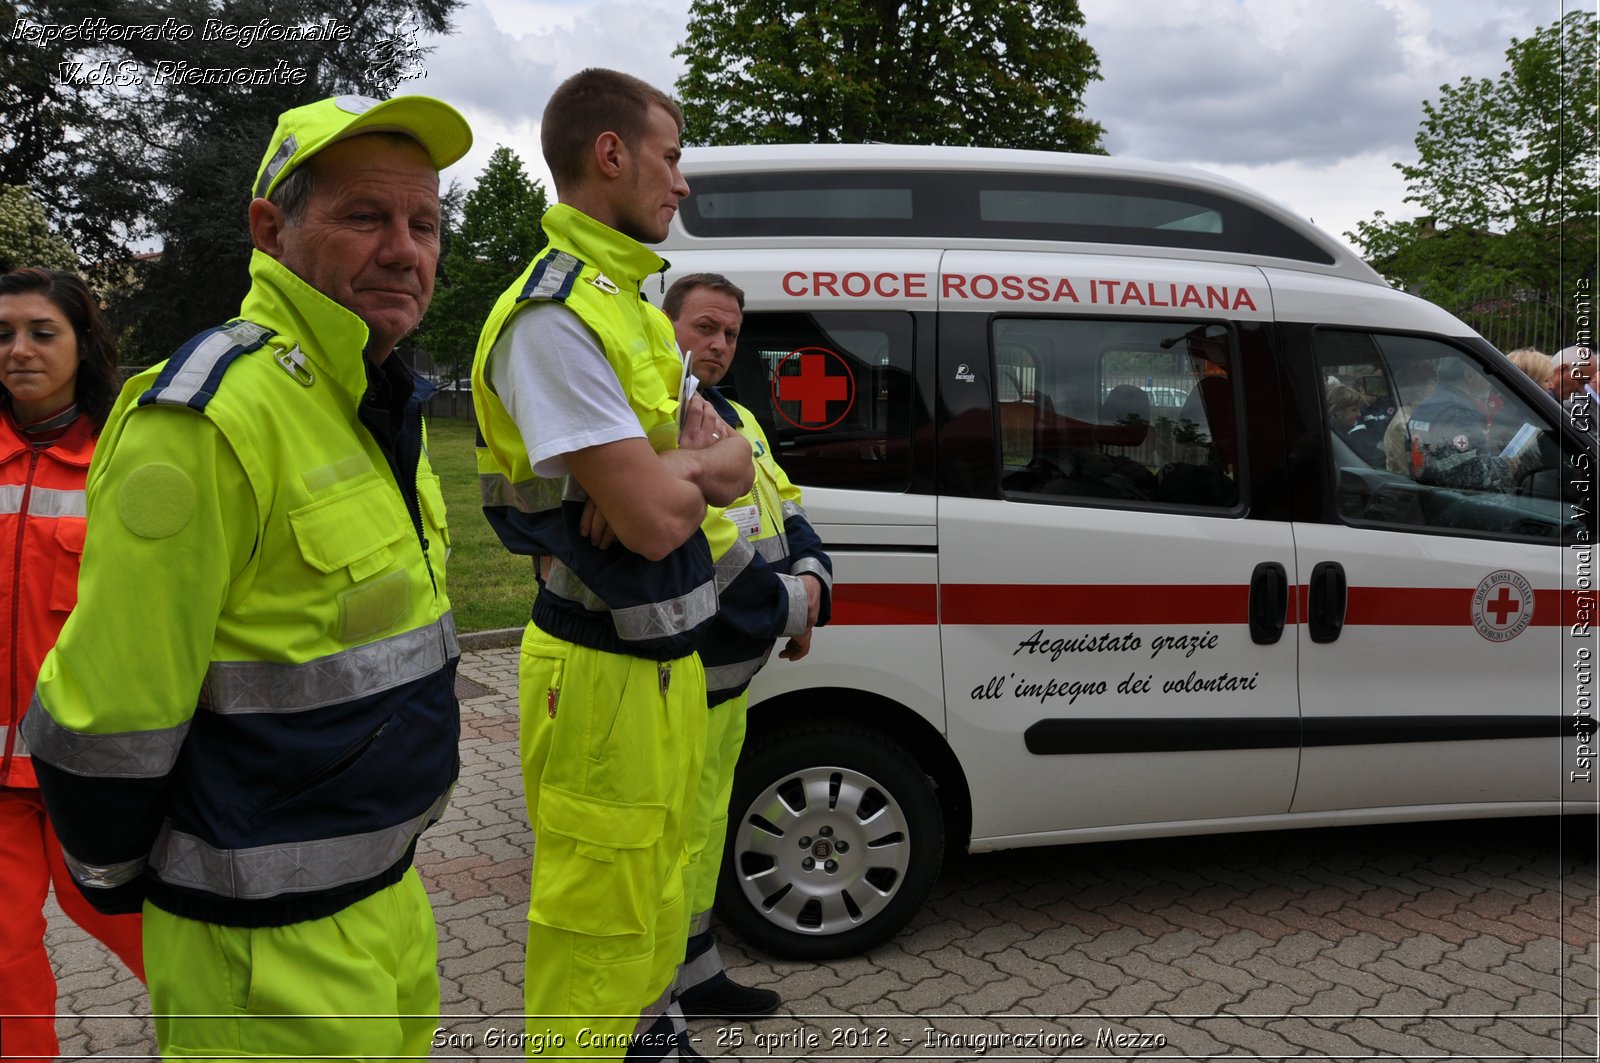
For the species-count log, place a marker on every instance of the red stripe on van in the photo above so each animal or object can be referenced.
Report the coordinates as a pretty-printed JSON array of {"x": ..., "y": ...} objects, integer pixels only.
[
  {"x": 885, "y": 603},
  {"x": 1091, "y": 604},
  {"x": 1095, "y": 604},
  {"x": 1452, "y": 606}
]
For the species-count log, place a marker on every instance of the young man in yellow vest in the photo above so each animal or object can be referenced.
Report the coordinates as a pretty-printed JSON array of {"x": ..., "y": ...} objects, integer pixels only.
[{"x": 596, "y": 464}]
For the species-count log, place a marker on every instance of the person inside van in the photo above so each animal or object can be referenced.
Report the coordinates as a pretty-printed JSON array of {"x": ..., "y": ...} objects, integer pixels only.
[
  {"x": 1536, "y": 364},
  {"x": 1344, "y": 418},
  {"x": 1572, "y": 385},
  {"x": 1451, "y": 430}
]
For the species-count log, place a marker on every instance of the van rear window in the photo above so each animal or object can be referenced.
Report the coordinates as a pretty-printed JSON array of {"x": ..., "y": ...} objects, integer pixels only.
[{"x": 985, "y": 205}]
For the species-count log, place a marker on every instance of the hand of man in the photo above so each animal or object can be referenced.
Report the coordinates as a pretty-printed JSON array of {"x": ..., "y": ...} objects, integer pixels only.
[
  {"x": 701, "y": 426},
  {"x": 593, "y": 526},
  {"x": 797, "y": 647}
]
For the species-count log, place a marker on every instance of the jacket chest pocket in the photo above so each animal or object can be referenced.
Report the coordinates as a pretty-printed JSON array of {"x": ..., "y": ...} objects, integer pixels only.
[
  {"x": 355, "y": 531},
  {"x": 69, "y": 558}
]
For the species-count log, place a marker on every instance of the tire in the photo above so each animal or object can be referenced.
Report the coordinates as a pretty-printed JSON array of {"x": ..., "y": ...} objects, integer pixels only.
[{"x": 835, "y": 837}]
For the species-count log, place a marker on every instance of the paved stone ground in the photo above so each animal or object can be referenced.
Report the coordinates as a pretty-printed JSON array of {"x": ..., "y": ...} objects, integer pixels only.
[{"x": 1469, "y": 941}]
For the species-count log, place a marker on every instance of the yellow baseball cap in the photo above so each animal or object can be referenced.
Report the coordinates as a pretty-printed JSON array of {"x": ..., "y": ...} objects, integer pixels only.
[{"x": 304, "y": 131}]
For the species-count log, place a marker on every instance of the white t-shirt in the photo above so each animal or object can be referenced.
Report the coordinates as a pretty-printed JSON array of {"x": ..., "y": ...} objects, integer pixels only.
[{"x": 552, "y": 376}]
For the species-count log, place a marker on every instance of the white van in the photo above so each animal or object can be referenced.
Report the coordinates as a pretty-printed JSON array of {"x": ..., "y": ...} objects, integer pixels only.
[{"x": 1105, "y": 565}]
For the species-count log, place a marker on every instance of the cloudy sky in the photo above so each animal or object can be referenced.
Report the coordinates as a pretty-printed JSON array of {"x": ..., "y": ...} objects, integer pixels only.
[{"x": 1310, "y": 101}]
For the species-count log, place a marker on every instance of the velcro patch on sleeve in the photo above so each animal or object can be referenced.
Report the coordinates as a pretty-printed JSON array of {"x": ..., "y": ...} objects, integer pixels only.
[{"x": 156, "y": 500}]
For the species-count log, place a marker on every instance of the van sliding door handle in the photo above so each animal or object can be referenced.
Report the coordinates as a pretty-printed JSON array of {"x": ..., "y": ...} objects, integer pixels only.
[
  {"x": 1269, "y": 602},
  {"x": 1325, "y": 613}
]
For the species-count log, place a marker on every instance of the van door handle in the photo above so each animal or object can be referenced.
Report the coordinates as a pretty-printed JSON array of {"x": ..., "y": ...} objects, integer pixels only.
[
  {"x": 1269, "y": 602},
  {"x": 1325, "y": 613}
]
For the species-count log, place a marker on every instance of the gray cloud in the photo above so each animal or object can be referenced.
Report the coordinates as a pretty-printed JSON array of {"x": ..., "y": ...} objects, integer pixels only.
[{"x": 1317, "y": 83}]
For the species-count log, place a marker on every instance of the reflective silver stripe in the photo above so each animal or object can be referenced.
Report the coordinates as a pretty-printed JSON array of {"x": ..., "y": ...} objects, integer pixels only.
[
  {"x": 793, "y": 509},
  {"x": 107, "y": 876},
  {"x": 773, "y": 548},
  {"x": 735, "y": 561},
  {"x": 812, "y": 567},
  {"x": 279, "y": 158},
  {"x": 700, "y": 922},
  {"x": 555, "y": 275},
  {"x": 49, "y": 502},
  {"x": 197, "y": 367},
  {"x": 672, "y": 617},
  {"x": 799, "y": 604},
  {"x": 43, "y": 502},
  {"x": 565, "y": 582},
  {"x": 290, "y": 867},
  {"x": 531, "y": 496},
  {"x": 733, "y": 676},
  {"x": 271, "y": 686},
  {"x": 126, "y": 755},
  {"x": 702, "y": 968},
  {"x": 637, "y": 623},
  {"x": 20, "y": 749}
]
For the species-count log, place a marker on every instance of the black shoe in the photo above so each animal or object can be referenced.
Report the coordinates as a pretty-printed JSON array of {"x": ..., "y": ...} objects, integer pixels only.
[{"x": 727, "y": 999}]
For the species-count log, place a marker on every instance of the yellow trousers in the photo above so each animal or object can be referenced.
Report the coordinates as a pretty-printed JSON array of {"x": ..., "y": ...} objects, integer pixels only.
[
  {"x": 362, "y": 983},
  {"x": 708, "y": 825},
  {"x": 611, "y": 749}
]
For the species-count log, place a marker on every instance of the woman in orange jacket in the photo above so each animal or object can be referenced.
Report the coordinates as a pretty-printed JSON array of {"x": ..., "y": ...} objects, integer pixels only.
[{"x": 58, "y": 379}]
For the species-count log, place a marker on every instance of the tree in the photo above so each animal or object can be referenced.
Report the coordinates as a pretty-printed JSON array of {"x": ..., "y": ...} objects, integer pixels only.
[
  {"x": 988, "y": 72},
  {"x": 1508, "y": 174},
  {"x": 498, "y": 236},
  {"x": 25, "y": 236},
  {"x": 133, "y": 138}
]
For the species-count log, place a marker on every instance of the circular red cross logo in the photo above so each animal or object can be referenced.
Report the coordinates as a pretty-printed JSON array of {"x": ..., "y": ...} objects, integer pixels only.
[
  {"x": 1502, "y": 606},
  {"x": 817, "y": 387}
]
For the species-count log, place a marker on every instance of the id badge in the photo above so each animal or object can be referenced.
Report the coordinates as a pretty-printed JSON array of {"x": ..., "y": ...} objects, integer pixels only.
[{"x": 748, "y": 518}]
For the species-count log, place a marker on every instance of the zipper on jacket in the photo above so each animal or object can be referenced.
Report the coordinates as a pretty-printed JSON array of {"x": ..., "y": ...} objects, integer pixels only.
[{"x": 16, "y": 617}]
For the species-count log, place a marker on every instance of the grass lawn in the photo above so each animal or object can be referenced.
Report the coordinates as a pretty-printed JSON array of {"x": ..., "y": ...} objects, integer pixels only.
[{"x": 489, "y": 587}]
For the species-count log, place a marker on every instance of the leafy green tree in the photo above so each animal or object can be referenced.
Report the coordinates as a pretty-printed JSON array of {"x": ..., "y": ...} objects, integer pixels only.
[
  {"x": 1508, "y": 174},
  {"x": 25, "y": 236},
  {"x": 988, "y": 72},
  {"x": 166, "y": 157},
  {"x": 498, "y": 236}
]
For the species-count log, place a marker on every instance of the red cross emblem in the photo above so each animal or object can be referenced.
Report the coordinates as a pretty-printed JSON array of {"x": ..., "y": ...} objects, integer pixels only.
[
  {"x": 813, "y": 388},
  {"x": 1502, "y": 605}
]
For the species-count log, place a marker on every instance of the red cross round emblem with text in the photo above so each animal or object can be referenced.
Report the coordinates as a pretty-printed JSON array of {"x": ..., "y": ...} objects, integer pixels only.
[
  {"x": 813, "y": 388},
  {"x": 1502, "y": 606}
]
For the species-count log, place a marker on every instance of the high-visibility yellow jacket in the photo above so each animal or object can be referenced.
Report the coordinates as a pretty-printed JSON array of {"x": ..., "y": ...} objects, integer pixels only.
[
  {"x": 766, "y": 601},
  {"x": 250, "y": 716},
  {"x": 612, "y": 600}
]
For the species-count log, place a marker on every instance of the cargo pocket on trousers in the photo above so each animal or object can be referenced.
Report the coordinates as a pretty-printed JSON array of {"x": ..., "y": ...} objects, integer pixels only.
[{"x": 596, "y": 864}]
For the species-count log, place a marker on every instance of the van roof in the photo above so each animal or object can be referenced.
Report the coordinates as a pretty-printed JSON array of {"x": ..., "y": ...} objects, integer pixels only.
[{"x": 867, "y": 195}]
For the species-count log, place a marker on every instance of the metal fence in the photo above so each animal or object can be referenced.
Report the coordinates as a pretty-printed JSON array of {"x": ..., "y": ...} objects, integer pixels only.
[{"x": 1521, "y": 318}]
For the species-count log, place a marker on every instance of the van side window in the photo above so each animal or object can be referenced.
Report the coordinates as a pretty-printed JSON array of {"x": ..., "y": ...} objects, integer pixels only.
[
  {"x": 833, "y": 392},
  {"x": 1127, "y": 411},
  {"x": 1424, "y": 434}
]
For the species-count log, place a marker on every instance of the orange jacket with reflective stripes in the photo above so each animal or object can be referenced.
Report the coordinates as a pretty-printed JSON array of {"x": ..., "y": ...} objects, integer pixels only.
[{"x": 41, "y": 544}]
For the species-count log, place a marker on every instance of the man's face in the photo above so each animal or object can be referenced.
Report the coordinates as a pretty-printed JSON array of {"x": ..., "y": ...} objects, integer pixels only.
[
  {"x": 369, "y": 237},
  {"x": 649, "y": 197},
  {"x": 1569, "y": 378},
  {"x": 708, "y": 328}
]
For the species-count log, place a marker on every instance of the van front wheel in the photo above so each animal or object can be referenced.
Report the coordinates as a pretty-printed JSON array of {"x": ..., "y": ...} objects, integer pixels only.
[{"x": 835, "y": 837}]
